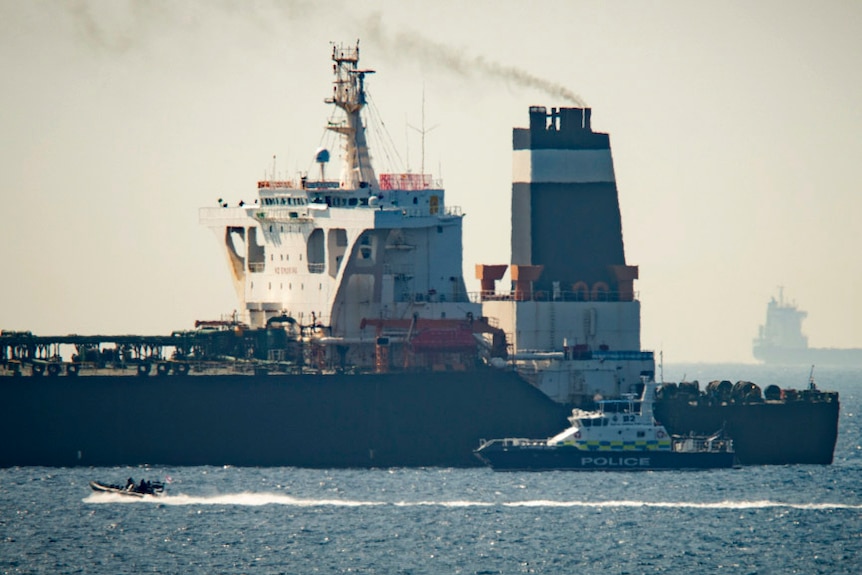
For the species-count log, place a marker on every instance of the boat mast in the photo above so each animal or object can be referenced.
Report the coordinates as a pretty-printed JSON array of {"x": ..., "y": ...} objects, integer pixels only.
[
  {"x": 422, "y": 131},
  {"x": 348, "y": 94}
]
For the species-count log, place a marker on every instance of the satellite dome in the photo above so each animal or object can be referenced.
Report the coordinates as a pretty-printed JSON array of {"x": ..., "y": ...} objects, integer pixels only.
[{"x": 321, "y": 156}]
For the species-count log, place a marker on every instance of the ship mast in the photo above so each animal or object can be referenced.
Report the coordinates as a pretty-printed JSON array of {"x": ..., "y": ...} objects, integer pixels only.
[{"x": 348, "y": 94}]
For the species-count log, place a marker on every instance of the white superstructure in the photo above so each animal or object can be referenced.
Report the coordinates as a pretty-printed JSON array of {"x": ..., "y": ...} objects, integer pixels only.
[
  {"x": 574, "y": 351},
  {"x": 624, "y": 424},
  {"x": 332, "y": 253},
  {"x": 367, "y": 269}
]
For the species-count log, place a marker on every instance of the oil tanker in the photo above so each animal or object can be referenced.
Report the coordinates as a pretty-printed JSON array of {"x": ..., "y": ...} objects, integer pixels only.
[
  {"x": 780, "y": 340},
  {"x": 357, "y": 343}
]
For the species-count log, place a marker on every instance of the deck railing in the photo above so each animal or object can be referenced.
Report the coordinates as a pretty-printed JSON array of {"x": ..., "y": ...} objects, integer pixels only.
[{"x": 542, "y": 295}]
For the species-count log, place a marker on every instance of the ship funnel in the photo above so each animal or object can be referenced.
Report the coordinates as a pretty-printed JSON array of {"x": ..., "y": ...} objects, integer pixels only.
[{"x": 564, "y": 198}]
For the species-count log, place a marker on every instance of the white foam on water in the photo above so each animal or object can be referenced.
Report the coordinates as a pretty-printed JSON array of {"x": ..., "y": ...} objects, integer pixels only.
[
  {"x": 685, "y": 504},
  {"x": 257, "y": 499}
]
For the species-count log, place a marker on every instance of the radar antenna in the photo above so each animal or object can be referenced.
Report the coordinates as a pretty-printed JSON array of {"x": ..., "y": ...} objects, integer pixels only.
[{"x": 423, "y": 131}]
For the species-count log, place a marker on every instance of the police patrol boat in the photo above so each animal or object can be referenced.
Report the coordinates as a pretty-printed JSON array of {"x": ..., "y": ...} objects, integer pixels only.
[{"x": 621, "y": 435}]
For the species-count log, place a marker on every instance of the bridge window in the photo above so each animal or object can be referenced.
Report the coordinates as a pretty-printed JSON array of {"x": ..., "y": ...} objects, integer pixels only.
[
  {"x": 316, "y": 252},
  {"x": 336, "y": 248},
  {"x": 366, "y": 255},
  {"x": 256, "y": 252}
]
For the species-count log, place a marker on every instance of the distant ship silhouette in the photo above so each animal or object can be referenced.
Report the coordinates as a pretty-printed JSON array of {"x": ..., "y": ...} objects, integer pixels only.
[{"x": 780, "y": 340}]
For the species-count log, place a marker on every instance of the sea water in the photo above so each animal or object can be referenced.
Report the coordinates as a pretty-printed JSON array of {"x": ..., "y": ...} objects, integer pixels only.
[{"x": 770, "y": 519}]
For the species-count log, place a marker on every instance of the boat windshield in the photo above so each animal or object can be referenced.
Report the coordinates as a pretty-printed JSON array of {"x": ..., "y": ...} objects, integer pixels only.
[
  {"x": 593, "y": 422},
  {"x": 620, "y": 406}
]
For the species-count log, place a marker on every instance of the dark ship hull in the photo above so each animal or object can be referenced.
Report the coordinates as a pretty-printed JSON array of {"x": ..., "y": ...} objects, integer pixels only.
[
  {"x": 423, "y": 419},
  {"x": 342, "y": 420},
  {"x": 770, "y": 432}
]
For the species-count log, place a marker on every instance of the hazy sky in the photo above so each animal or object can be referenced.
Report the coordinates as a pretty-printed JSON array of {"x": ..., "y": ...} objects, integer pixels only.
[{"x": 736, "y": 130}]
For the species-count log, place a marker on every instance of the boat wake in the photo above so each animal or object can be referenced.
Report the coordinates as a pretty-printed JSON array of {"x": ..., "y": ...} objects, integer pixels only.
[
  {"x": 765, "y": 504},
  {"x": 248, "y": 499},
  {"x": 244, "y": 499}
]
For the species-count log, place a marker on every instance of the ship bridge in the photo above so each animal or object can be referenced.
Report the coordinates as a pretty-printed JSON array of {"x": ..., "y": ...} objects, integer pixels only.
[{"x": 334, "y": 253}]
